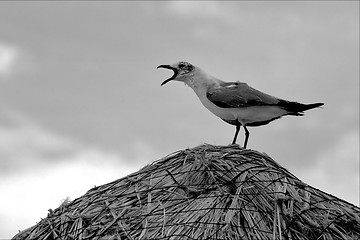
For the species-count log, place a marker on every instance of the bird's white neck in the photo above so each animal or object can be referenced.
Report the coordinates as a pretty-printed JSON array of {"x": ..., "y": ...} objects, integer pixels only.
[{"x": 201, "y": 82}]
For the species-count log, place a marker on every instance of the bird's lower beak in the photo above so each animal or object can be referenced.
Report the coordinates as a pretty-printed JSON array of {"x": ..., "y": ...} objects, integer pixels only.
[{"x": 171, "y": 68}]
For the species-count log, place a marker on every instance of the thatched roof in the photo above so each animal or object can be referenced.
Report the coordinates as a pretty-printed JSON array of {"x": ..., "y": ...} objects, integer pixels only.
[{"x": 208, "y": 192}]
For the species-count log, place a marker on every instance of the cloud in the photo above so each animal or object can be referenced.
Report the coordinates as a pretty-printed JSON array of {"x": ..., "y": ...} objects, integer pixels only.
[
  {"x": 202, "y": 19},
  {"x": 199, "y": 9},
  {"x": 31, "y": 194},
  {"x": 190, "y": 8},
  {"x": 39, "y": 168},
  {"x": 8, "y": 57},
  {"x": 25, "y": 144},
  {"x": 339, "y": 177}
]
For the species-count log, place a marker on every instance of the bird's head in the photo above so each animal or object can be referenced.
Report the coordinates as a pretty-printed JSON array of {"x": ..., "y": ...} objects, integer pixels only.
[{"x": 182, "y": 71}]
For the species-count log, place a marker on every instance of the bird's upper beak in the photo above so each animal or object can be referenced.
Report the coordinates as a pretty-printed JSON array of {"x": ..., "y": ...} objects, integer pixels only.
[{"x": 176, "y": 72}]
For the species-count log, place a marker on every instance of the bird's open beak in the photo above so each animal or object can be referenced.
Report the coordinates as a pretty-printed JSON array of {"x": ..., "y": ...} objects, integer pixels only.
[{"x": 171, "y": 68}]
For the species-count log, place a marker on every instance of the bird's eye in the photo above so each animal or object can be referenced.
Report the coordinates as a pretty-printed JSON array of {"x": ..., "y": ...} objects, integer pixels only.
[{"x": 181, "y": 65}]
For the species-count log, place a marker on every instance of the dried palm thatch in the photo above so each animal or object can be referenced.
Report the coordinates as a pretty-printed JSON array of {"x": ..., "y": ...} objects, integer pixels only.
[{"x": 208, "y": 192}]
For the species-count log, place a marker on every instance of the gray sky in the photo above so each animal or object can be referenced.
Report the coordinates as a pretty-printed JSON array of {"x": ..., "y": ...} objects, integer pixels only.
[{"x": 81, "y": 102}]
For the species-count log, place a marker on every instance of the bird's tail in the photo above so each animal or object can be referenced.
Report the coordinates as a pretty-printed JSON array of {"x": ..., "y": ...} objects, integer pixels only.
[{"x": 295, "y": 108}]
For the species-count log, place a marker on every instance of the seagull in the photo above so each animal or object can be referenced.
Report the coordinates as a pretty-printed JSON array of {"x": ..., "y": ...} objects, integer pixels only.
[{"x": 235, "y": 102}]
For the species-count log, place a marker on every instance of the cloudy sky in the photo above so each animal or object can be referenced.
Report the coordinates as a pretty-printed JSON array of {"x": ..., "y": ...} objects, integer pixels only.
[{"x": 81, "y": 102}]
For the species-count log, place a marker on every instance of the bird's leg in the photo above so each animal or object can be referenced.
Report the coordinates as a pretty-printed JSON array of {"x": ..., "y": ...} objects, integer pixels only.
[
  {"x": 236, "y": 133},
  {"x": 246, "y": 136}
]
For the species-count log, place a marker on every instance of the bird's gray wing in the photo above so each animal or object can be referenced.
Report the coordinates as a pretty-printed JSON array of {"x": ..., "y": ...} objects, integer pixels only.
[{"x": 237, "y": 95}]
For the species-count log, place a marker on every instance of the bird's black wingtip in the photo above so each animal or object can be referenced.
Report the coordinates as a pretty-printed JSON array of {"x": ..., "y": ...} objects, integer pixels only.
[
  {"x": 315, "y": 105},
  {"x": 296, "y": 107}
]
